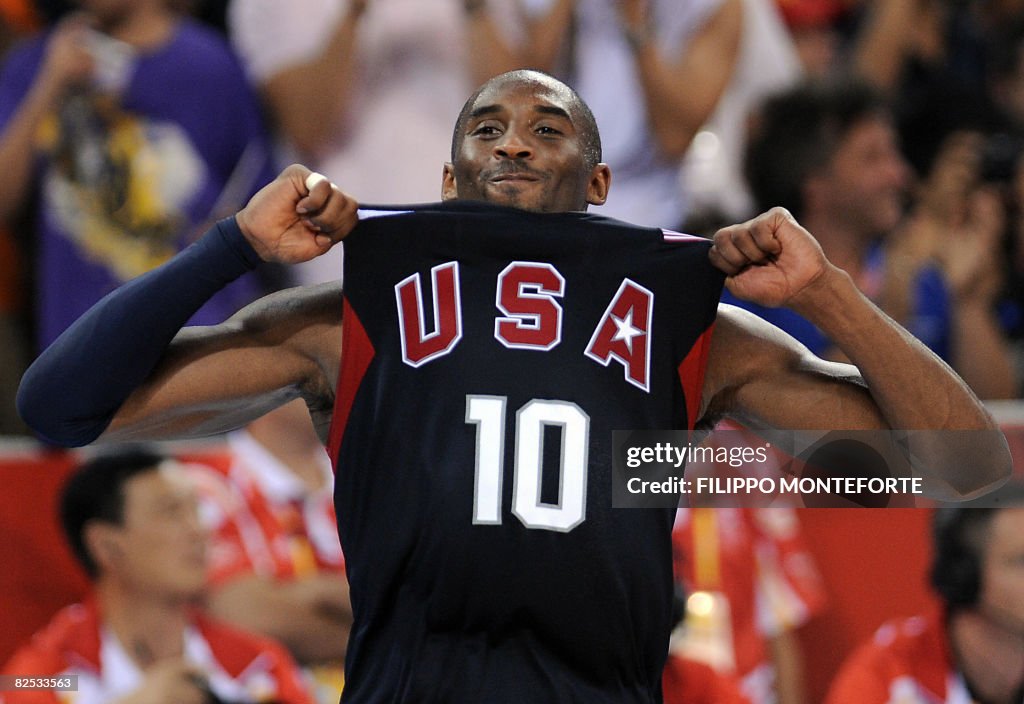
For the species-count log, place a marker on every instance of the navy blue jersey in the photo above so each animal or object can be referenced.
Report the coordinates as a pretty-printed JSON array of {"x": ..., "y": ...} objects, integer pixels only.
[{"x": 488, "y": 355}]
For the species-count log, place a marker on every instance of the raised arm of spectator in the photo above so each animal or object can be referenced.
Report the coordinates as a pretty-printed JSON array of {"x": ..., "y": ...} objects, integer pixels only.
[
  {"x": 682, "y": 90},
  {"x": 67, "y": 63},
  {"x": 981, "y": 352},
  {"x": 491, "y": 53},
  {"x": 890, "y": 36},
  {"x": 957, "y": 225},
  {"x": 762, "y": 376},
  {"x": 309, "y": 99},
  {"x": 681, "y": 87}
]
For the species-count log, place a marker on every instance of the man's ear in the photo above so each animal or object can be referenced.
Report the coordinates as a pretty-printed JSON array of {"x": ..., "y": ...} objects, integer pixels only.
[
  {"x": 449, "y": 189},
  {"x": 103, "y": 542},
  {"x": 600, "y": 182}
]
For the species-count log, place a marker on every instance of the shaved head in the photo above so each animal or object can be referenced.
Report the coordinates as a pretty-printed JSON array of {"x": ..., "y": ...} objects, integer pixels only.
[{"x": 580, "y": 112}]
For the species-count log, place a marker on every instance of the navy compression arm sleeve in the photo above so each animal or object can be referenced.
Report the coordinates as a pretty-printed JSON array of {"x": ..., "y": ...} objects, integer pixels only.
[{"x": 72, "y": 391}]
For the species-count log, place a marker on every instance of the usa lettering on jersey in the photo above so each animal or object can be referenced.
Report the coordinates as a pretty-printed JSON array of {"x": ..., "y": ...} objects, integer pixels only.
[
  {"x": 419, "y": 346},
  {"x": 527, "y": 295}
]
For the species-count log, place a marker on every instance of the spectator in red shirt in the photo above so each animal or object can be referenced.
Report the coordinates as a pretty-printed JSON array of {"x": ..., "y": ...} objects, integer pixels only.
[
  {"x": 276, "y": 565},
  {"x": 972, "y": 649},
  {"x": 759, "y": 585},
  {"x": 132, "y": 520},
  {"x": 687, "y": 680}
]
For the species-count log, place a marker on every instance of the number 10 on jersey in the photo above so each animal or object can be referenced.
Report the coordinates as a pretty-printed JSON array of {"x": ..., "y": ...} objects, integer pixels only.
[{"x": 488, "y": 414}]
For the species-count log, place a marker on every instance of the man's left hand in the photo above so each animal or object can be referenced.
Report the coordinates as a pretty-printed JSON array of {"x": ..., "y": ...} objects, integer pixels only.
[{"x": 769, "y": 260}]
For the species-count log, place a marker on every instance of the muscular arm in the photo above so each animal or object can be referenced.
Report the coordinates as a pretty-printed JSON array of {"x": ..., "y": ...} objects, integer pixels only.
[
  {"x": 761, "y": 376},
  {"x": 125, "y": 371},
  {"x": 755, "y": 372},
  {"x": 218, "y": 378}
]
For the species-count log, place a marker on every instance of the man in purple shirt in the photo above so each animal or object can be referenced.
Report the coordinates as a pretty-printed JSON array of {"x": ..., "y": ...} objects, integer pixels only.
[{"x": 128, "y": 129}]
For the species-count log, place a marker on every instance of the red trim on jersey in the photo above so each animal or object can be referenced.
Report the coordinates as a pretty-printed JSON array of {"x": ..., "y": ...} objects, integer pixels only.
[
  {"x": 356, "y": 354},
  {"x": 691, "y": 374}
]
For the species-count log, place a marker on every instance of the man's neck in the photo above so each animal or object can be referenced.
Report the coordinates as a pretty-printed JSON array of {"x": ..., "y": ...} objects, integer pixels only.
[
  {"x": 989, "y": 654},
  {"x": 149, "y": 628}
]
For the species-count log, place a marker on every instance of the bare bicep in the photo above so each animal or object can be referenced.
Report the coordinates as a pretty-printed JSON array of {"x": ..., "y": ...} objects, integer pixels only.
[
  {"x": 761, "y": 376},
  {"x": 217, "y": 378}
]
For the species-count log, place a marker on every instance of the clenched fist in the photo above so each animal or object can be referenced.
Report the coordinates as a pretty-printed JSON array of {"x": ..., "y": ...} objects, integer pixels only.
[{"x": 769, "y": 260}]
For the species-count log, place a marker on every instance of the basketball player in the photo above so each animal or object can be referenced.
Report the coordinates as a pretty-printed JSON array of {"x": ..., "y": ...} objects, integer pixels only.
[
  {"x": 971, "y": 649},
  {"x": 471, "y": 439}
]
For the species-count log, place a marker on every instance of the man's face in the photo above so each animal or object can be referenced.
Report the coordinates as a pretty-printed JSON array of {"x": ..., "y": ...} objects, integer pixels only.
[
  {"x": 865, "y": 183},
  {"x": 1002, "y": 593},
  {"x": 521, "y": 147},
  {"x": 161, "y": 545}
]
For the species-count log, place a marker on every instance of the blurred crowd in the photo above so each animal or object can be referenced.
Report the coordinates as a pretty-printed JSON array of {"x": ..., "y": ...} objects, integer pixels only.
[{"x": 892, "y": 129}]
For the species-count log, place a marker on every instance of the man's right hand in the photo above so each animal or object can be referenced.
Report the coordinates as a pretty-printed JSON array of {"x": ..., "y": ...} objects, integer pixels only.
[{"x": 287, "y": 224}]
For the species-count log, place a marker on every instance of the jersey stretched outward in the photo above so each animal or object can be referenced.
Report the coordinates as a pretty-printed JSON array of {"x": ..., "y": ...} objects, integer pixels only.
[{"x": 488, "y": 355}]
